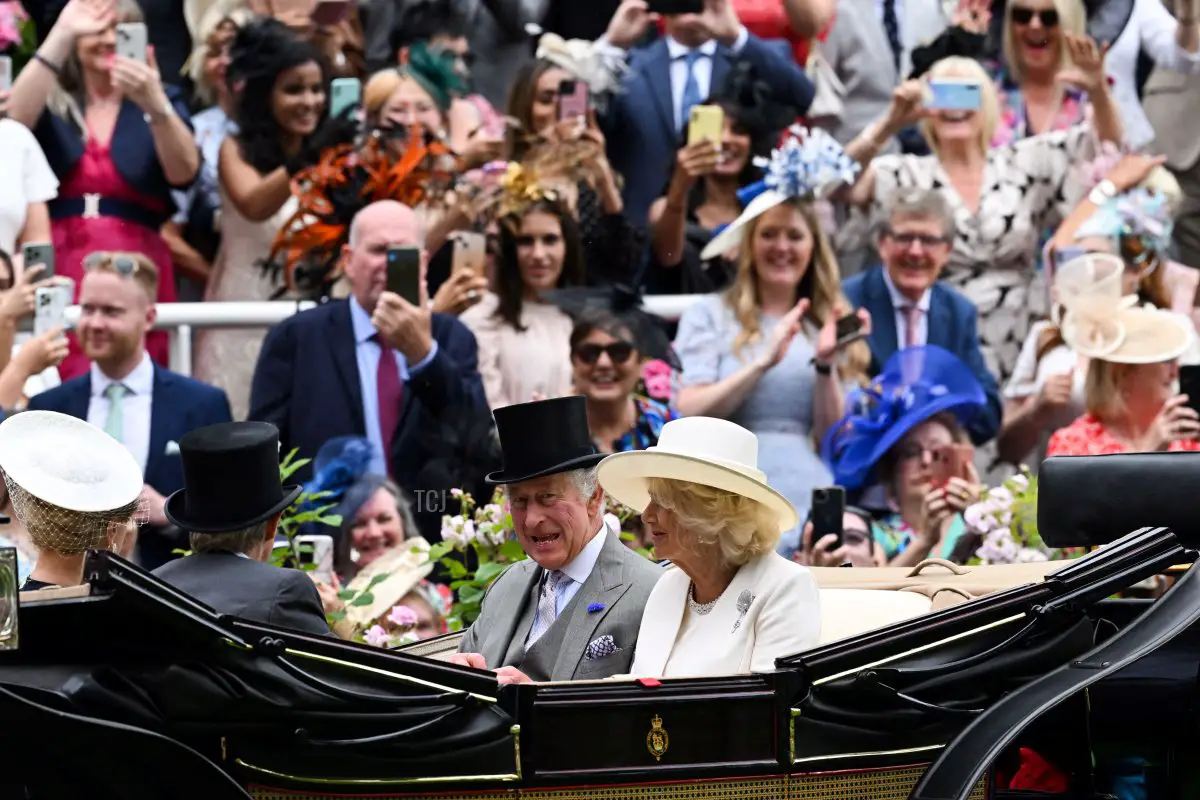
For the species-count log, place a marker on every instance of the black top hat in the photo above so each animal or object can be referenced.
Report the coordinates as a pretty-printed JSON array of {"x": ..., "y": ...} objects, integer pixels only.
[
  {"x": 544, "y": 438},
  {"x": 230, "y": 478}
]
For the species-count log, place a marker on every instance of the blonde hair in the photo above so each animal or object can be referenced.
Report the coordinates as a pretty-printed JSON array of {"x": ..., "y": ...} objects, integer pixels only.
[
  {"x": 1102, "y": 389},
  {"x": 1161, "y": 181},
  {"x": 737, "y": 527},
  {"x": 989, "y": 107},
  {"x": 380, "y": 88},
  {"x": 821, "y": 284},
  {"x": 64, "y": 100},
  {"x": 145, "y": 273},
  {"x": 1072, "y": 18}
]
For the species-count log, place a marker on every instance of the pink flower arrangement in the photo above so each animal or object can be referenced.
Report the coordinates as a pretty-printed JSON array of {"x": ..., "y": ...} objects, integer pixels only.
[
  {"x": 12, "y": 15},
  {"x": 656, "y": 375}
]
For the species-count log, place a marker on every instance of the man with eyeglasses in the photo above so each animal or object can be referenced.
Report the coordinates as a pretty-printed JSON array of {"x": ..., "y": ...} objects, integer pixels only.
[
  {"x": 140, "y": 404},
  {"x": 910, "y": 308}
]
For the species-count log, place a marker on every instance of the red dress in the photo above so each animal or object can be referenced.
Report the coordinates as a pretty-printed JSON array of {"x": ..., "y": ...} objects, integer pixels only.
[
  {"x": 766, "y": 19},
  {"x": 76, "y": 237},
  {"x": 1087, "y": 436}
]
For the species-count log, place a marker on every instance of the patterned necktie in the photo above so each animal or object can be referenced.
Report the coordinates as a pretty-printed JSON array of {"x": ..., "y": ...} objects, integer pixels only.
[
  {"x": 114, "y": 425},
  {"x": 691, "y": 88},
  {"x": 390, "y": 394},
  {"x": 547, "y": 610},
  {"x": 912, "y": 319},
  {"x": 891, "y": 26}
]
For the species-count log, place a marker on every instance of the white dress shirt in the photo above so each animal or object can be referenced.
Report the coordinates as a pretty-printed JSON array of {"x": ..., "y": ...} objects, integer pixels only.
[
  {"x": 899, "y": 303},
  {"x": 135, "y": 406},
  {"x": 703, "y": 70},
  {"x": 578, "y": 571}
]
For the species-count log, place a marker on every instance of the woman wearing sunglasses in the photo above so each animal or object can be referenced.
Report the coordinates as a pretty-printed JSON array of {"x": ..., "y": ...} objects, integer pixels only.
[
  {"x": 1034, "y": 59},
  {"x": 606, "y": 364}
]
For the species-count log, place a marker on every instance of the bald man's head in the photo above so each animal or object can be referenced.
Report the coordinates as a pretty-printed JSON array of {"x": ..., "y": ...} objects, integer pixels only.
[{"x": 377, "y": 227}]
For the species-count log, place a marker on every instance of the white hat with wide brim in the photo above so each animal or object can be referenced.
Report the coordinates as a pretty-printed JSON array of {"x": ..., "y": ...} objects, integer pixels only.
[
  {"x": 731, "y": 236},
  {"x": 704, "y": 450},
  {"x": 68, "y": 463}
]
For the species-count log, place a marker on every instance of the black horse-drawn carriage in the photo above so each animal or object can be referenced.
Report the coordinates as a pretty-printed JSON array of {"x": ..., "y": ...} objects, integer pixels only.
[{"x": 126, "y": 688}]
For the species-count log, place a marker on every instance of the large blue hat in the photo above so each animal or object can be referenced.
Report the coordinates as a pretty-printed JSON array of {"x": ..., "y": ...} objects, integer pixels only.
[{"x": 916, "y": 383}]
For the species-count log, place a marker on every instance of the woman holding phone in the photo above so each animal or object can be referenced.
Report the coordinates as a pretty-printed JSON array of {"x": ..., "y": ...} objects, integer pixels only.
[
  {"x": 906, "y": 434},
  {"x": 118, "y": 139},
  {"x": 1002, "y": 198},
  {"x": 280, "y": 106}
]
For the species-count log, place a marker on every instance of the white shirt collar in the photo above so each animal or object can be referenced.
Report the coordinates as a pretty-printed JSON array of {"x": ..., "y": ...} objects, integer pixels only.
[
  {"x": 582, "y": 565},
  {"x": 138, "y": 382},
  {"x": 900, "y": 301},
  {"x": 676, "y": 50}
]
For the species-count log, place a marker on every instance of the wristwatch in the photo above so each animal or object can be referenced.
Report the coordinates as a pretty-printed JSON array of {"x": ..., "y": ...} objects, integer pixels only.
[
  {"x": 167, "y": 112},
  {"x": 1105, "y": 190}
]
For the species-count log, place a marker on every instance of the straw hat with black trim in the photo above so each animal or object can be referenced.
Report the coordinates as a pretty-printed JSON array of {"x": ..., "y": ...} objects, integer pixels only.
[
  {"x": 405, "y": 567},
  {"x": 704, "y": 450}
]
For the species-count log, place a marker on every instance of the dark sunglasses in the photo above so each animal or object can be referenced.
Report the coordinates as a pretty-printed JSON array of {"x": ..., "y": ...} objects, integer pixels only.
[
  {"x": 122, "y": 265},
  {"x": 909, "y": 239},
  {"x": 618, "y": 352},
  {"x": 1024, "y": 16}
]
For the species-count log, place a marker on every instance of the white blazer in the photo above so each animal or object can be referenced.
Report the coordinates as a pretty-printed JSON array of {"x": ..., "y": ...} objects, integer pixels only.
[{"x": 771, "y": 609}]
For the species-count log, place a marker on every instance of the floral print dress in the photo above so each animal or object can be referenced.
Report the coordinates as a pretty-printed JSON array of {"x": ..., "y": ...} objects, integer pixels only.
[{"x": 1028, "y": 185}]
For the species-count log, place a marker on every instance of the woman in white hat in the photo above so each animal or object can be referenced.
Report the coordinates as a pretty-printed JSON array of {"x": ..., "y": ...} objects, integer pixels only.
[
  {"x": 731, "y": 604},
  {"x": 73, "y": 487},
  {"x": 1132, "y": 388}
]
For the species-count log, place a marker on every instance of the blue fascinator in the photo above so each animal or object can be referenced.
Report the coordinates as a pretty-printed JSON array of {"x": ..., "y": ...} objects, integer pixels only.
[
  {"x": 809, "y": 163},
  {"x": 1141, "y": 214},
  {"x": 341, "y": 473},
  {"x": 916, "y": 383}
]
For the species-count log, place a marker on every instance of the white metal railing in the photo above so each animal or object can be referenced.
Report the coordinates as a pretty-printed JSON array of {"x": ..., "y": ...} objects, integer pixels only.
[{"x": 180, "y": 318}]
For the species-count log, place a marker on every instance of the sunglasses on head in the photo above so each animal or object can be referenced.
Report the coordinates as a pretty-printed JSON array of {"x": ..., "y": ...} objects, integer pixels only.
[
  {"x": 618, "y": 352},
  {"x": 124, "y": 266},
  {"x": 1024, "y": 16}
]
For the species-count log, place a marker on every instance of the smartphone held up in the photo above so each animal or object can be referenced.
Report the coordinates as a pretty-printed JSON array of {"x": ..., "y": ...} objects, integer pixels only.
[{"x": 404, "y": 273}]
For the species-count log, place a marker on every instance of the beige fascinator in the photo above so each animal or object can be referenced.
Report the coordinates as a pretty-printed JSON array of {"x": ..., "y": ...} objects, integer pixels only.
[
  {"x": 1098, "y": 322},
  {"x": 600, "y": 67},
  {"x": 204, "y": 17}
]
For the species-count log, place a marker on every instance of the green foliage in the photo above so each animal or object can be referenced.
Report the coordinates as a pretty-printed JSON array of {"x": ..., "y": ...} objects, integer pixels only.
[
  {"x": 296, "y": 516},
  {"x": 484, "y": 536}
]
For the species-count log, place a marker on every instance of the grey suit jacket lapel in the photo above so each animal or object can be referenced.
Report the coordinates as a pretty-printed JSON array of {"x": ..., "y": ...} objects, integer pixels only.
[
  {"x": 605, "y": 585},
  {"x": 505, "y": 612}
]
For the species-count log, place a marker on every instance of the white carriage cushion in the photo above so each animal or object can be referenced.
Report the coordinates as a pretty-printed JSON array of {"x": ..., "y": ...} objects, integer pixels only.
[{"x": 849, "y": 612}]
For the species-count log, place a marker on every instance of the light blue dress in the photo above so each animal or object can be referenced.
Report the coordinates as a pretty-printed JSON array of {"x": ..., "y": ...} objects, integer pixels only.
[{"x": 779, "y": 411}]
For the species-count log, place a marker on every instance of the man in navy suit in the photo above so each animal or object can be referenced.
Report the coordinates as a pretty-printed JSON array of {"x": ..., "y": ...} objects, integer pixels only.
[
  {"x": 144, "y": 406},
  {"x": 909, "y": 307},
  {"x": 645, "y": 120},
  {"x": 373, "y": 365}
]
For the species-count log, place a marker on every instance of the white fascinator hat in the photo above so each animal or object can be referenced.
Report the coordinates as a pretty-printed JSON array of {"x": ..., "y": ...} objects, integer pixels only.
[
  {"x": 1098, "y": 322},
  {"x": 810, "y": 163},
  {"x": 68, "y": 480},
  {"x": 704, "y": 450}
]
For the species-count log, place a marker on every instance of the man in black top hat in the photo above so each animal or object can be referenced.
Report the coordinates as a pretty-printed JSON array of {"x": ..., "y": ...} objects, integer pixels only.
[
  {"x": 230, "y": 504},
  {"x": 572, "y": 611}
]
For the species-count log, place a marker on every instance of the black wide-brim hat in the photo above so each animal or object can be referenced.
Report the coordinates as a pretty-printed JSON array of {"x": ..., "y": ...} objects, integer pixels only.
[
  {"x": 543, "y": 438},
  {"x": 230, "y": 478}
]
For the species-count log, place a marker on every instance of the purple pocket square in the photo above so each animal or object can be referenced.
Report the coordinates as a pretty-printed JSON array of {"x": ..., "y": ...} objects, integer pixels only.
[{"x": 601, "y": 648}]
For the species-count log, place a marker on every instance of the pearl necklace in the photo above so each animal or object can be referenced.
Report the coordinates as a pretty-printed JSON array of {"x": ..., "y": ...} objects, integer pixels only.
[{"x": 700, "y": 608}]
